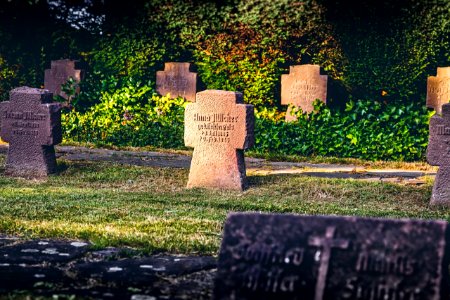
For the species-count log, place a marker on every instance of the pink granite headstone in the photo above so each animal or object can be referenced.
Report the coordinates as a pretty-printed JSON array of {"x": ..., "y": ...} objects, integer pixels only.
[
  {"x": 178, "y": 80},
  {"x": 219, "y": 127},
  {"x": 59, "y": 73},
  {"x": 301, "y": 87},
  {"x": 438, "y": 89}
]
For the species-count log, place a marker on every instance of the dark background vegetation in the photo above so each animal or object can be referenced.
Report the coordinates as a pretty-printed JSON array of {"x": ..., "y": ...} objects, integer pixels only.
[{"x": 377, "y": 55}]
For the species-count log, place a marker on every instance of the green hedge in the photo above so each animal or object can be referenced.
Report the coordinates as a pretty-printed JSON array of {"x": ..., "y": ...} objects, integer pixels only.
[
  {"x": 132, "y": 115},
  {"x": 243, "y": 45},
  {"x": 136, "y": 116},
  {"x": 365, "y": 129}
]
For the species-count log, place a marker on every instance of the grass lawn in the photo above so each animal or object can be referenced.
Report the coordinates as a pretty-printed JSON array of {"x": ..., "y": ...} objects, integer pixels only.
[{"x": 150, "y": 209}]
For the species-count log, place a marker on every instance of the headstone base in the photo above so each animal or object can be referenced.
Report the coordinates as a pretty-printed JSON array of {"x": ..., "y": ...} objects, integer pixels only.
[
  {"x": 440, "y": 195},
  {"x": 42, "y": 164},
  {"x": 226, "y": 172}
]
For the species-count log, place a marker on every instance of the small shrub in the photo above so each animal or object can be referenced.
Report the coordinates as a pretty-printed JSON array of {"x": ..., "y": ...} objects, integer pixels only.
[
  {"x": 365, "y": 129},
  {"x": 129, "y": 116}
]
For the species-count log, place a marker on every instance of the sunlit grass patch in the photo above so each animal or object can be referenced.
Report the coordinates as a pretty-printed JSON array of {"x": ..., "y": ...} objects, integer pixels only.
[{"x": 150, "y": 208}]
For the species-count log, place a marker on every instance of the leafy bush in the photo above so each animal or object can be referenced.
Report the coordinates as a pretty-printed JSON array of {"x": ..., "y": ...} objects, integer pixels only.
[
  {"x": 366, "y": 129},
  {"x": 131, "y": 53},
  {"x": 390, "y": 54},
  {"x": 132, "y": 115},
  {"x": 247, "y": 45},
  {"x": 136, "y": 116}
]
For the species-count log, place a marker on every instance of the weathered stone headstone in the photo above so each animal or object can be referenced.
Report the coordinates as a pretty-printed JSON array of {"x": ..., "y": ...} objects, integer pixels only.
[
  {"x": 59, "y": 73},
  {"x": 31, "y": 124},
  {"x": 301, "y": 87},
  {"x": 275, "y": 256},
  {"x": 178, "y": 80},
  {"x": 438, "y": 89},
  {"x": 219, "y": 127},
  {"x": 438, "y": 154}
]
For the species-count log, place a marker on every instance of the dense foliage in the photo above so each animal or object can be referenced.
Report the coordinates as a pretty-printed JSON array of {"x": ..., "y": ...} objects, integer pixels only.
[
  {"x": 377, "y": 55},
  {"x": 131, "y": 115},
  {"x": 365, "y": 129}
]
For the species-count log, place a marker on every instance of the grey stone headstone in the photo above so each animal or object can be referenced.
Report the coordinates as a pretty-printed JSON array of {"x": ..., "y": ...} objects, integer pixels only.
[
  {"x": 438, "y": 154},
  {"x": 60, "y": 71},
  {"x": 275, "y": 256},
  {"x": 31, "y": 124},
  {"x": 178, "y": 80}
]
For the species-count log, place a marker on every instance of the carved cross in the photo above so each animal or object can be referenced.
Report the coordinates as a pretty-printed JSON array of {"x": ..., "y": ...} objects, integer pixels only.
[
  {"x": 31, "y": 124},
  {"x": 60, "y": 71},
  {"x": 219, "y": 127},
  {"x": 326, "y": 243},
  {"x": 438, "y": 89},
  {"x": 178, "y": 80},
  {"x": 301, "y": 87}
]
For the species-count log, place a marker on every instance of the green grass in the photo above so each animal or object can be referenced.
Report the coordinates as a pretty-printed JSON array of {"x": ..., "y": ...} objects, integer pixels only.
[{"x": 150, "y": 208}]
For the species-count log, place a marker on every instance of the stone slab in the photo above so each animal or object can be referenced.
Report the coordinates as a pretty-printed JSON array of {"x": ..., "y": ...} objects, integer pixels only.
[
  {"x": 36, "y": 252},
  {"x": 438, "y": 89},
  {"x": 139, "y": 272},
  {"x": 60, "y": 71},
  {"x": 301, "y": 87},
  {"x": 31, "y": 124},
  {"x": 276, "y": 256},
  {"x": 36, "y": 268},
  {"x": 178, "y": 80},
  {"x": 219, "y": 127},
  {"x": 28, "y": 277}
]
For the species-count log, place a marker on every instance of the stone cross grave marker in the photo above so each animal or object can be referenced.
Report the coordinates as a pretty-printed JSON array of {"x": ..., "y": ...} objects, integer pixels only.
[
  {"x": 438, "y": 89},
  {"x": 31, "y": 124},
  {"x": 219, "y": 127},
  {"x": 438, "y": 154},
  {"x": 59, "y": 73},
  {"x": 286, "y": 256},
  {"x": 178, "y": 80},
  {"x": 301, "y": 87}
]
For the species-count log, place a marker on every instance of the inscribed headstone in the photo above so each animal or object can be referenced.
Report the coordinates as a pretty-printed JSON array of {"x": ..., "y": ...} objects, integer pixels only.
[
  {"x": 219, "y": 127},
  {"x": 301, "y": 87},
  {"x": 178, "y": 80},
  {"x": 438, "y": 89},
  {"x": 60, "y": 71},
  {"x": 283, "y": 256},
  {"x": 31, "y": 124},
  {"x": 438, "y": 154}
]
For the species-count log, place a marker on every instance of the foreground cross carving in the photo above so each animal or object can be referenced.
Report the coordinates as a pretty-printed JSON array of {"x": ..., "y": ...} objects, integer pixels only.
[
  {"x": 31, "y": 124},
  {"x": 219, "y": 127},
  {"x": 326, "y": 243}
]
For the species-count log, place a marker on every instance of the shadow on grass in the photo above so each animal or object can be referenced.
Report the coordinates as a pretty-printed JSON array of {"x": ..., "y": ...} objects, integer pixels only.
[{"x": 61, "y": 167}]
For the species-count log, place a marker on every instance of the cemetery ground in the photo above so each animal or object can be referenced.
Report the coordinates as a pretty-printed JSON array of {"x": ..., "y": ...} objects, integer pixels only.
[{"x": 118, "y": 199}]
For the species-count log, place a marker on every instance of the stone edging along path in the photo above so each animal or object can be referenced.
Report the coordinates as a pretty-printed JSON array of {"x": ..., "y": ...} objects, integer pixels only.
[{"x": 255, "y": 166}]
